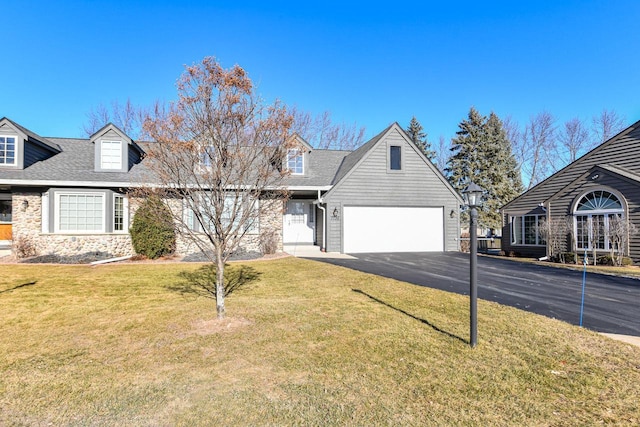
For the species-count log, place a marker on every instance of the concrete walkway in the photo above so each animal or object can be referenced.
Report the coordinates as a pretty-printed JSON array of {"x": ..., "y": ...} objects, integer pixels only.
[
  {"x": 312, "y": 251},
  {"x": 624, "y": 338}
]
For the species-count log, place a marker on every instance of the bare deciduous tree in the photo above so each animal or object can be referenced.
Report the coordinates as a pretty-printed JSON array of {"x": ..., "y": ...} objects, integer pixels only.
[
  {"x": 538, "y": 149},
  {"x": 125, "y": 116},
  {"x": 605, "y": 125},
  {"x": 219, "y": 153},
  {"x": 555, "y": 233},
  {"x": 442, "y": 153},
  {"x": 321, "y": 132},
  {"x": 619, "y": 232},
  {"x": 574, "y": 138}
]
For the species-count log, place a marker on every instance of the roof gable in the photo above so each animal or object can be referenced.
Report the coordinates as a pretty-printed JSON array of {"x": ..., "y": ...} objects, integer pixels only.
[
  {"x": 621, "y": 151},
  {"x": 30, "y": 136},
  {"x": 109, "y": 127},
  {"x": 358, "y": 157}
]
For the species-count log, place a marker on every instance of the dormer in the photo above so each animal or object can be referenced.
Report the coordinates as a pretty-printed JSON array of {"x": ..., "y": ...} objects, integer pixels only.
[
  {"x": 113, "y": 149},
  {"x": 297, "y": 159},
  {"x": 20, "y": 148}
]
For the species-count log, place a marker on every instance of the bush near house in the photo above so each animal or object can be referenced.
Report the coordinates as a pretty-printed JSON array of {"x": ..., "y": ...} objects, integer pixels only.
[{"x": 152, "y": 231}]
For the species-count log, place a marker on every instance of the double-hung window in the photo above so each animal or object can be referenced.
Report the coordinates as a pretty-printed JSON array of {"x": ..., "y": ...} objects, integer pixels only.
[
  {"x": 120, "y": 213},
  {"x": 111, "y": 155},
  {"x": 295, "y": 161},
  {"x": 7, "y": 150},
  {"x": 526, "y": 230}
]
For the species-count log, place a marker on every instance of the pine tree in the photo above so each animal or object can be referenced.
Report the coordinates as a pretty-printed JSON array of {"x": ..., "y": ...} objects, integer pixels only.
[
  {"x": 419, "y": 138},
  {"x": 481, "y": 153},
  {"x": 502, "y": 176}
]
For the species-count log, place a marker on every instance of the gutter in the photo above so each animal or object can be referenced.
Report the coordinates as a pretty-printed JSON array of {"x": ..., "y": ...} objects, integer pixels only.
[{"x": 323, "y": 248}]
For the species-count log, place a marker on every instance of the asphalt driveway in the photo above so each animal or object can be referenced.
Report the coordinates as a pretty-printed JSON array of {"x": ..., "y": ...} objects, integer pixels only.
[{"x": 612, "y": 304}]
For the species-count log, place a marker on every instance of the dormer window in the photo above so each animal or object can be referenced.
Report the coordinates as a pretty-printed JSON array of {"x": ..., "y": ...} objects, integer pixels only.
[
  {"x": 7, "y": 150},
  {"x": 295, "y": 161},
  {"x": 111, "y": 155}
]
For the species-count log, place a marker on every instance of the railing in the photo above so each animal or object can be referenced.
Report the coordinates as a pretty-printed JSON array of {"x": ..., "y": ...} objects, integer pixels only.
[{"x": 487, "y": 245}]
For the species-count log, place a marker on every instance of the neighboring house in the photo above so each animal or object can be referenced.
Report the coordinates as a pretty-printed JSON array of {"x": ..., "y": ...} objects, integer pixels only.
[
  {"x": 591, "y": 193},
  {"x": 73, "y": 196}
]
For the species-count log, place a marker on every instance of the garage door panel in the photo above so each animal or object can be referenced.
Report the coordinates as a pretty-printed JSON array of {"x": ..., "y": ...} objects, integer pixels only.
[{"x": 393, "y": 229}]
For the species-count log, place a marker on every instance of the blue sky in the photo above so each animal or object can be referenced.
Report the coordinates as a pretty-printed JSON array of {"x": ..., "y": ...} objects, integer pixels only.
[{"x": 366, "y": 63}]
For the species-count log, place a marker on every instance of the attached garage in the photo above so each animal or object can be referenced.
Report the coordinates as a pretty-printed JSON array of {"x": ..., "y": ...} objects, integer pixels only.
[{"x": 393, "y": 229}]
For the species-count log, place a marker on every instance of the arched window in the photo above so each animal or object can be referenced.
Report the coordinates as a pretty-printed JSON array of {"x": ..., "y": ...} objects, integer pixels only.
[{"x": 592, "y": 215}]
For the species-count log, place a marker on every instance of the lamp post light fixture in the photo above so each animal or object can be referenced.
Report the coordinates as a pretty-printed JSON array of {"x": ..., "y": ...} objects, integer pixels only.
[{"x": 473, "y": 198}]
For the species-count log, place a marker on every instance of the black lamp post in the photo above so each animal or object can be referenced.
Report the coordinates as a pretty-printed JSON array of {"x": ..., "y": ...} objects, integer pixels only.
[{"x": 473, "y": 198}]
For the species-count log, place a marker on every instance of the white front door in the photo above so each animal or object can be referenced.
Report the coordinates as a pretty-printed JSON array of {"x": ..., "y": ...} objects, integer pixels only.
[{"x": 299, "y": 222}]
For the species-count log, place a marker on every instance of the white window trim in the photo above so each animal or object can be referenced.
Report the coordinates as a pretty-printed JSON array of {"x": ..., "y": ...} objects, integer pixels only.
[
  {"x": 607, "y": 213},
  {"x": 56, "y": 214},
  {"x": 102, "y": 162},
  {"x": 299, "y": 153},
  {"x": 125, "y": 214},
  {"x": 15, "y": 151},
  {"x": 45, "y": 212},
  {"x": 514, "y": 242}
]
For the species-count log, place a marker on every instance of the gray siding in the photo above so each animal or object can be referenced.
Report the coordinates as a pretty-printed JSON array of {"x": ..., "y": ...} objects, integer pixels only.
[
  {"x": 34, "y": 153},
  {"x": 622, "y": 151},
  {"x": 372, "y": 184},
  {"x": 134, "y": 157}
]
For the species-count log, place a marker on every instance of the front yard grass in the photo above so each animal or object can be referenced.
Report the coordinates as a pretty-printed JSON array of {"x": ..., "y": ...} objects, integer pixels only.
[{"x": 306, "y": 344}]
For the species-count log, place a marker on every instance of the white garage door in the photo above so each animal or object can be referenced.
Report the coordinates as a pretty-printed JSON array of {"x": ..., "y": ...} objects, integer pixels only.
[{"x": 393, "y": 229}]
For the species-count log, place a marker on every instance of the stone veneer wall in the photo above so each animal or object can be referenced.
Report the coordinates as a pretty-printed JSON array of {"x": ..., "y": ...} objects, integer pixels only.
[{"x": 27, "y": 226}]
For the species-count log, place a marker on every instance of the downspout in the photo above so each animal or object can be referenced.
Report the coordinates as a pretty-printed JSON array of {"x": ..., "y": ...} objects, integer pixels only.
[{"x": 323, "y": 248}]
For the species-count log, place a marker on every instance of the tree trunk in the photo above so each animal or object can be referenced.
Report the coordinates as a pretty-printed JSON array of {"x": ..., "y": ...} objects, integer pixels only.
[{"x": 220, "y": 285}]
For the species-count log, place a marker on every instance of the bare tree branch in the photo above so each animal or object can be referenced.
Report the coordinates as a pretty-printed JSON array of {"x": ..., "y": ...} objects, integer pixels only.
[{"x": 219, "y": 155}]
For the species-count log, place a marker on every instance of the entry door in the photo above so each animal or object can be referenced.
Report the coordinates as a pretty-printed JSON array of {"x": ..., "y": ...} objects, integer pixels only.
[
  {"x": 299, "y": 222},
  {"x": 5, "y": 219}
]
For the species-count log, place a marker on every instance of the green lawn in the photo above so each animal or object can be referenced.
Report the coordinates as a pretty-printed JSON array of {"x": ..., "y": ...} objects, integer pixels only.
[{"x": 306, "y": 344}]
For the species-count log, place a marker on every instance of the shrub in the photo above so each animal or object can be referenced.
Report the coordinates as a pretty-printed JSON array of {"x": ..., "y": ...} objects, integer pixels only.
[
  {"x": 269, "y": 242},
  {"x": 24, "y": 247},
  {"x": 152, "y": 231},
  {"x": 464, "y": 242},
  {"x": 605, "y": 260}
]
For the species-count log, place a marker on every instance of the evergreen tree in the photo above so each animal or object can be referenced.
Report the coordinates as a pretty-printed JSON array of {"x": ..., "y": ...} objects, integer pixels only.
[
  {"x": 502, "y": 177},
  {"x": 481, "y": 153},
  {"x": 419, "y": 137}
]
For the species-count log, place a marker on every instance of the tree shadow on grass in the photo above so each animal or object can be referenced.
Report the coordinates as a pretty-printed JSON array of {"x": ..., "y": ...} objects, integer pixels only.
[
  {"x": 426, "y": 322},
  {"x": 202, "y": 282},
  {"x": 19, "y": 286}
]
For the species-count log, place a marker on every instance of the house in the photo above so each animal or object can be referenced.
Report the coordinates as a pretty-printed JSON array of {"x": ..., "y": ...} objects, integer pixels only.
[
  {"x": 591, "y": 193},
  {"x": 69, "y": 196}
]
